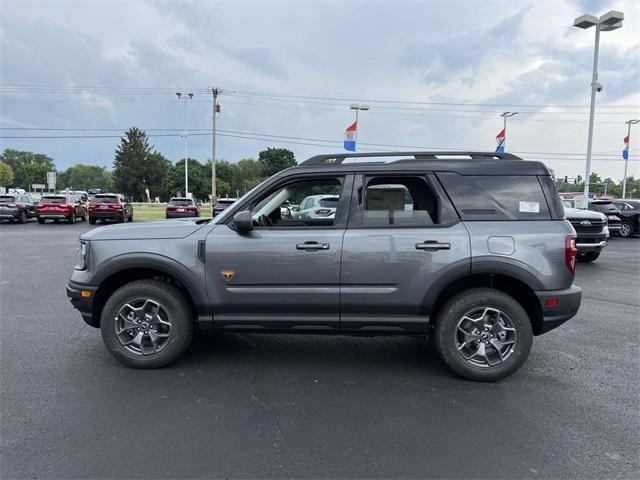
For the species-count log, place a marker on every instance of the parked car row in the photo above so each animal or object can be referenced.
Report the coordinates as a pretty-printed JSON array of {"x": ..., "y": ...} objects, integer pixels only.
[{"x": 66, "y": 207}]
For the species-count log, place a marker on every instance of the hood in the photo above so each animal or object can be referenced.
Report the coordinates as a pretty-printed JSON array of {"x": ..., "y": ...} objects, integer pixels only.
[
  {"x": 165, "y": 229},
  {"x": 583, "y": 214}
]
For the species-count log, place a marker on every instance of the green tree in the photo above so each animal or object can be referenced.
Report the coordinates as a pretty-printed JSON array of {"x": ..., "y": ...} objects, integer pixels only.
[
  {"x": 84, "y": 177},
  {"x": 224, "y": 178},
  {"x": 247, "y": 174},
  {"x": 199, "y": 179},
  {"x": 6, "y": 174},
  {"x": 273, "y": 160},
  {"x": 138, "y": 166},
  {"x": 28, "y": 167}
]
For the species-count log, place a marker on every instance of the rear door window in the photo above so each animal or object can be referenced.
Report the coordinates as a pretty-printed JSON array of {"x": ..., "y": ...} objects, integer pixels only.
[{"x": 496, "y": 197}]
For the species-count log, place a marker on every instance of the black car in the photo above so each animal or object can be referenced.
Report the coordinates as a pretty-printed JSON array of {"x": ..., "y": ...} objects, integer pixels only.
[
  {"x": 222, "y": 205},
  {"x": 17, "y": 208},
  {"x": 614, "y": 217},
  {"x": 630, "y": 211}
]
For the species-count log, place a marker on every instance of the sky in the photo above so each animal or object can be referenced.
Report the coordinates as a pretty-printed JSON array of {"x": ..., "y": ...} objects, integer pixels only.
[{"x": 436, "y": 76}]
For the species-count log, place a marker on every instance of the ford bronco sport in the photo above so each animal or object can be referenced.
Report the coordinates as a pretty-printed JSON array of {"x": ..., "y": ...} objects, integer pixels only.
[{"x": 472, "y": 247}]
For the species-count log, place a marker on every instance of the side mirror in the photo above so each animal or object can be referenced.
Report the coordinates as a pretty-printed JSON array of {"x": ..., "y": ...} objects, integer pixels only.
[{"x": 243, "y": 222}]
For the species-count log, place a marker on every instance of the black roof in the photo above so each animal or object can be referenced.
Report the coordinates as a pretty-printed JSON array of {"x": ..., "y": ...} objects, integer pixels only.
[{"x": 471, "y": 163}]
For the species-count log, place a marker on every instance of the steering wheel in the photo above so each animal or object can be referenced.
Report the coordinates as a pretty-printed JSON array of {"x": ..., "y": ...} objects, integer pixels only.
[{"x": 264, "y": 221}]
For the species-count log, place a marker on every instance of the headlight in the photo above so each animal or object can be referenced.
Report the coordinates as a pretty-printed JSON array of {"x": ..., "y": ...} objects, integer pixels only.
[
  {"x": 614, "y": 218},
  {"x": 83, "y": 255}
]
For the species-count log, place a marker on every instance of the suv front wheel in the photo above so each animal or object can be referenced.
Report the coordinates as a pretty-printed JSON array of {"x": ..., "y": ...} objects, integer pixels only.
[
  {"x": 147, "y": 324},
  {"x": 483, "y": 334}
]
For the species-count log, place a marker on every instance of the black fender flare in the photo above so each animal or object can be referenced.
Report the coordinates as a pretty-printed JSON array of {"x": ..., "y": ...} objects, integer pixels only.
[
  {"x": 484, "y": 265},
  {"x": 157, "y": 262}
]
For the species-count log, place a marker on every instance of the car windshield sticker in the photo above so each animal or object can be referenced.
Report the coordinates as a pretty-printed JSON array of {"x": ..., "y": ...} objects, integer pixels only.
[{"x": 530, "y": 207}]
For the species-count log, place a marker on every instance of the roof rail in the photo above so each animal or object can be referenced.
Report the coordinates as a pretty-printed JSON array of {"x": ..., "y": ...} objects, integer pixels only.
[{"x": 338, "y": 158}]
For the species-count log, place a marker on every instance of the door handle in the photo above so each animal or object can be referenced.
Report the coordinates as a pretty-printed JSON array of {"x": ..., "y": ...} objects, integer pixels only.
[
  {"x": 433, "y": 245},
  {"x": 312, "y": 246}
]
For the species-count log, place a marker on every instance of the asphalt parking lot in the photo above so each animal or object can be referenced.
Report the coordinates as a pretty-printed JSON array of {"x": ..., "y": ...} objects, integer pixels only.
[{"x": 309, "y": 406}]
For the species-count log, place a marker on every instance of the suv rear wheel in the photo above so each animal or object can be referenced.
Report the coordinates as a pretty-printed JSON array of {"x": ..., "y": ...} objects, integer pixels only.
[
  {"x": 483, "y": 334},
  {"x": 626, "y": 229},
  {"x": 147, "y": 324}
]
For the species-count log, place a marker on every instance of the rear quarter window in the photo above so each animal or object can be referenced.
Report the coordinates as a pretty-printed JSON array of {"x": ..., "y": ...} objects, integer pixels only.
[{"x": 496, "y": 197}]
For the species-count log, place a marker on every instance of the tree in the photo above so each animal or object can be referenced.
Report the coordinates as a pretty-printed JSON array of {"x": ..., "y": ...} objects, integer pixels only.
[
  {"x": 273, "y": 160},
  {"x": 84, "y": 177},
  {"x": 247, "y": 174},
  {"x": 6, "y": 174},
  {"x": 28, "y": 167},
  {"x": 138, "y": 166},
  {"x": 199, "y": 179}
]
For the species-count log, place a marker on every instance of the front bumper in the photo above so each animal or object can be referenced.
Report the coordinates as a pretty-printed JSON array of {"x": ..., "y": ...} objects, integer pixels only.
[
  {"x": 565, "y": 306},
  {"x": 83, "y": 304}
]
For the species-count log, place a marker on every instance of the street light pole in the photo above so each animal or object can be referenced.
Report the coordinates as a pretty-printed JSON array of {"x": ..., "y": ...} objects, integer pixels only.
[
  {"x": 626, "y": 160},
  {"x": 216, "y": 108},
  {"x": 185, "y": 135},
  {"x": 504, "y": 115},
  {"x": 611, "y": 20},
  {"x": 357, "y": 108}
]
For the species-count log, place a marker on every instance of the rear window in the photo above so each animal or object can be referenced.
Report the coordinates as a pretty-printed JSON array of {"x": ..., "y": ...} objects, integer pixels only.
[
  {"x": 603, "y": 207},
  {"x": 53, "y": 200},
  {"x": 7, "y": 198},
  {"x": 496, "y": 197},
  {"x": 181, "y": 201},
  {"x": 105, "y": 199},
  {"x": 329, "y": 202}
]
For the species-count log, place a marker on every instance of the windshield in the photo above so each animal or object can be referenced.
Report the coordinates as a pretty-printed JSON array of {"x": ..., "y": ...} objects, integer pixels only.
[
  {"x": 604, "y": 207},
  {"x": 225, "y": 213},
  {"x": 105, "y": 199},
  {"x": 53, "y": 200}
]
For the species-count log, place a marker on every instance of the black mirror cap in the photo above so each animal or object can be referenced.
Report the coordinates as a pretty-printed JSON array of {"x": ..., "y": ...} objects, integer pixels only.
[{"x": 243, "y": 222}]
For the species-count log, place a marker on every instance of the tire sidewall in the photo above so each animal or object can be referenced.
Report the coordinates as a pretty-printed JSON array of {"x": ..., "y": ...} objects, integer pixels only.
[
  {"x": 457, "y": 307},
  {"x": 630, "y": 231},
  {"x": 178, "y": 311}
]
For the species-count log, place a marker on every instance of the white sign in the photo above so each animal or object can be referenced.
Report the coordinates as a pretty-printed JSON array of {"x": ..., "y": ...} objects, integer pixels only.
[
  {"x": 51, "y": 180},
  {"x": 529, "y": 207},
  {"x": 37, "y": 186}
]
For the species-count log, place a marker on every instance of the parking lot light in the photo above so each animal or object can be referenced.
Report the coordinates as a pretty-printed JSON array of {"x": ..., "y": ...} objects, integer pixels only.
[{"x": 611, "y": 20}]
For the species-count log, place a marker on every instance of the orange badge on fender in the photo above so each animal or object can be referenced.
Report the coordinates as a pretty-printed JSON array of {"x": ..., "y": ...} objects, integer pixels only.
[{"x": 228, "y": 274}]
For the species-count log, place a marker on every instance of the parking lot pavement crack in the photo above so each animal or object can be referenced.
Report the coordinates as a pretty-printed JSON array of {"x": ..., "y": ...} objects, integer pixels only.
[{"x": 616, "y": 302}]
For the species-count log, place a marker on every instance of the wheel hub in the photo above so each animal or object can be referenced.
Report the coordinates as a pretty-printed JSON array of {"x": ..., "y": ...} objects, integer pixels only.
[
  {"x": 142, "y": 326},
  {"x": 485, "y": 337}
]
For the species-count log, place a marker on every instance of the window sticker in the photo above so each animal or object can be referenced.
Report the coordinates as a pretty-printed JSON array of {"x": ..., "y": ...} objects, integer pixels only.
[{"x": 530, "y": 207}]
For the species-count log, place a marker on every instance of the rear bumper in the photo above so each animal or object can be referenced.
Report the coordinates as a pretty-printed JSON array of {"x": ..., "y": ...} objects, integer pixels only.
[
  {"x": 105, "y": 215},
  {"x": 568, "y": 303},
  {"x": 53, "y": 216},
  {"x": 83, "y": 304},
  {"x": 181, "y": 214}
]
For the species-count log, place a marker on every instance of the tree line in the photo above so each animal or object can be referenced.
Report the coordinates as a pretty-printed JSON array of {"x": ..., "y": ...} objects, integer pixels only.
[{"x": 138, "y": 167}]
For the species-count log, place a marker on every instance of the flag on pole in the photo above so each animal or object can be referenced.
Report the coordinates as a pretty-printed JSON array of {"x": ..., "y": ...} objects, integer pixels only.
[
  {"x": 500, "y": 142},
  {"x": 625, "y": 152},
  {"x": 350, "y": 137}
]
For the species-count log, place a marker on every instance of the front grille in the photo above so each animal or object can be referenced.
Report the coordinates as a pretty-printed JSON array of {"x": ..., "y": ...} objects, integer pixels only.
[{"x": 595, "y": 227}]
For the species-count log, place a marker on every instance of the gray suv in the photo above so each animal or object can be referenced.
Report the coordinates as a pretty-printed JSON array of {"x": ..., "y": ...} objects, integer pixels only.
[{"x": 471, "y": 247}]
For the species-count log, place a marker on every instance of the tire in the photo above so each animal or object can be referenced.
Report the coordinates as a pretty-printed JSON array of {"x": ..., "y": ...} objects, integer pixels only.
[
  {"x": 626, "y": 230},
  {"x": 131, "y": 217},
  {"x": 92, "y": 220},
  {"x": 41, "y": 220},
  {"x": 22, "y": 218},
  {"x": 122, "y": 219},
  {"x": 72, "y": 218},
  {"x": 588, "y": 256},
  {"x": 176, "y": 310},
  {"x": 84, "y": 217},
  {"x": 514, "y": 346}
]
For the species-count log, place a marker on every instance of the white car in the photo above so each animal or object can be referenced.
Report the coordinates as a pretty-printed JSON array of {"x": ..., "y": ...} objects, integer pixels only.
[{"x": 318, "y": 206}]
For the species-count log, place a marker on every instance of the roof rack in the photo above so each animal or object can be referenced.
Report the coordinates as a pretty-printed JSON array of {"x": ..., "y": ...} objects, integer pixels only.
[{"x": 336, "y": 159}]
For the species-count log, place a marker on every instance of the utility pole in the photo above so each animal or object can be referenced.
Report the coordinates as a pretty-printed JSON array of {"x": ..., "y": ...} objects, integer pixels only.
[
  {"x": 626, "y": 155},
  {"x": 215, "y": 91}
]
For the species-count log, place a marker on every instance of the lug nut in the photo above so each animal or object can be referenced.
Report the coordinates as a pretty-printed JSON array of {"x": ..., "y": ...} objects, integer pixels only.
[{"x": 139, "y": 329}]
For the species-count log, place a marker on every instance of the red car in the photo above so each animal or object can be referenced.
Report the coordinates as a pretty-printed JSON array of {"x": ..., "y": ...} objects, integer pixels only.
[
  {"x": 61, "y": 207},
  {"x": 181, "y": 207},
  {"x": 110, "y": 206}
]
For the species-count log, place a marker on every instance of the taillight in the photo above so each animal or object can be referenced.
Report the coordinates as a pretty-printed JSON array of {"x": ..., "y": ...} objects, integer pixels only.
[
  {"x": 322, "y": 211},
  {"x": 171, "y": 209},
  {"x": 10, "y": 205},
  {"x": 570, "y": 253}
]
